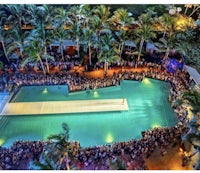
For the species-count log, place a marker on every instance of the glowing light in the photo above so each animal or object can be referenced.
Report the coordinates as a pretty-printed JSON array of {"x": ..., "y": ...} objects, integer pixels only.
[
  {"x": 155, "y": 126},
  {"x": 6, "y": 27},
  {"x": 149, "y": 103},
  {"x": 179, "y": 9},
  {"x": 95, "y": 94},
  {"x": 109, "y": 138},
  {"x": 172, "y": 11},
  {"x": 183, "y": 22},
  {"x": 2, "y": 141},
  {"x": 180, "y": 150},
  {"x": 45, "y": 91},
  {"x": 146, "y": 81}
]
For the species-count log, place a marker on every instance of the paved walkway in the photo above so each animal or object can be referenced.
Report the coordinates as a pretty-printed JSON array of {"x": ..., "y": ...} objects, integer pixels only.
[
  {"x": 100, "y": 73},
  {"x": 172, "y": 160}
]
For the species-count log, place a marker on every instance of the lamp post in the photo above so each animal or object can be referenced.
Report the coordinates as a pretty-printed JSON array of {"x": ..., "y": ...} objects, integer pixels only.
[{"x": 105, "y": 67}]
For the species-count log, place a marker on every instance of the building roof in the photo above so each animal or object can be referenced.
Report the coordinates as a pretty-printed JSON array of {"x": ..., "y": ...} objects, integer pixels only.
[
  {"x": 193, "y": 74},
  {"x": 151, "y": 46},
  {"x": 130, "y": 43},
  {"x": 65, "y": 43},
  {"x": 14, "y": 56}
]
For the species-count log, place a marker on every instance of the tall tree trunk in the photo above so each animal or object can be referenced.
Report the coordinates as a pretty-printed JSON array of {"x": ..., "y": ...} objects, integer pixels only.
[
  {"x": 61, "y": 50},
  {"x": 164, "y": 32},
  {"x": 197, "y": 165},
  {"x": 67, "y": 164},
  {"x": 140, "y": 49},
  {"x": 4, "y": 50},
  {"x": 186, "y": 10},
  {"x": 167, "y": 52},
  {"x": 47, "y": 65},
  {"x": 65, "y": 156},
  {"x": 77, "y": 44},
  {"x": 121, "y": 49},
  {"x": 45, "y": 52},
  {"x": 194, "y": 10},
  {"x": 98, "y": 45},
  {"x": 193, "y": 154},
  {"x": 90, "y": 54},
  {"x": 43, "y": 69}
]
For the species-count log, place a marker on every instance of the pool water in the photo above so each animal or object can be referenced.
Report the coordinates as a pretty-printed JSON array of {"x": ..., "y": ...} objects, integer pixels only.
[{"x": 148, "y": 108}]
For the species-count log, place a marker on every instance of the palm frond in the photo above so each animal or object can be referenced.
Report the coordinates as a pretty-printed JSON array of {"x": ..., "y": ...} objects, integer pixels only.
[{"x": 27, "y": 60}]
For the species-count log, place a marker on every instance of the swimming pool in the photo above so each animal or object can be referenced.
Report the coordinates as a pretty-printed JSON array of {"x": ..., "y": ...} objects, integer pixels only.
[{"x": 148, "y": 108}]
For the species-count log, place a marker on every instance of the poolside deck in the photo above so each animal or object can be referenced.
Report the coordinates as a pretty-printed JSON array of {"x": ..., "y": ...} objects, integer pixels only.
[{"x": 60, "y": 107}]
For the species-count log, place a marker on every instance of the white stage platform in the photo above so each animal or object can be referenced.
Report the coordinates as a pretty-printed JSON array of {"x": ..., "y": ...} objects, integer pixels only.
[{"x": 61, "y": 107}]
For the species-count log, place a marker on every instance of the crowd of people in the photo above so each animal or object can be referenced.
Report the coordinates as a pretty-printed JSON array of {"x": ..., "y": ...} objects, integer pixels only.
[
  {"x": 19, "y": 154},
  {"x": 132, "y": 152}
]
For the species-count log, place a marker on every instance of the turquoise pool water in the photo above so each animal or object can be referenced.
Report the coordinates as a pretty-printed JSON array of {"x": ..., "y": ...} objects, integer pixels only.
[{"x": 148, "y": 108}]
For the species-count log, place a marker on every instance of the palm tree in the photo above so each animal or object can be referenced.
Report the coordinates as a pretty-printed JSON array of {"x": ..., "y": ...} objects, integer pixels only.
[
  {"x": 103, "y": 13},
  {"x": 109, "y": 52},
  {"x": 2, "y": 39},
  {"x": 59, "y": 149},
  {"x": 77, "y": 21},
  {"x": 15, "y": 16},
  {"x": 169, "y": 38},
  {"x": 75, "y": 33},
  {"x": 145, "y": 31},
  {"x": 165, "y": 45},
  {"x": 121, "y": 20},
  {"x": 60, "y": 34},
  {"x": 100, "y": 23},
  {"x": 89, "y": 40},
  {"x": 16, "y": 39},
  {"x": 42, "y": 21},
  {"x": 166, "y": 22},
  {"x": 34, "y": 53},
  {"x": 60, "y": 27},
  {"x": 61, "y": 16},
  {"x": 122, "y": 37}
]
